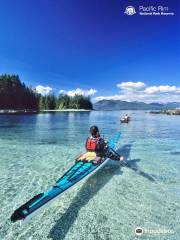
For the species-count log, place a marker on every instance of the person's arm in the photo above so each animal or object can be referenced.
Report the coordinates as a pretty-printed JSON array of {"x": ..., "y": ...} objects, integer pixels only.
[
  {"x": 108, "y": 152},
  {"x": 114, "y": 157}
]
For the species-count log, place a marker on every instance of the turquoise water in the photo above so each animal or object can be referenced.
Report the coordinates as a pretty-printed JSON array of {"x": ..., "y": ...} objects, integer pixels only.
[{"x": 36, "y": 150}]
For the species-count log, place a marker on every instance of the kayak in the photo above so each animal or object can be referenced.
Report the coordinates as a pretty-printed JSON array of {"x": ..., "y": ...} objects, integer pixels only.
[
  {"x": 80, "y": 171},
  {"x": 123, "y": 120}
]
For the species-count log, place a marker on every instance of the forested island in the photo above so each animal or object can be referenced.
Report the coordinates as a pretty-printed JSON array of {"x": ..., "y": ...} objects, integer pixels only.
[
  {"x": 16, "y": 96},
  {"x": 167, "y": 112}
]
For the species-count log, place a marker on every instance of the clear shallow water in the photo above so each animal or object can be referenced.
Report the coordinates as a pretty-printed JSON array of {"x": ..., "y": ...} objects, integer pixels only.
[{"x": 36, "y": 150}]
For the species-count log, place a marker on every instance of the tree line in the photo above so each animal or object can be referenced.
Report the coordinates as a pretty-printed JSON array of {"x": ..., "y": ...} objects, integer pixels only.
[
  {"x": 64, "y": 102},
  {"x": 17, "y": 96}
]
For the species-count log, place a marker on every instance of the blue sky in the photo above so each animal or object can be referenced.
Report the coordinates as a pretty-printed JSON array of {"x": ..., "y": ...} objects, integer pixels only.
[{"x": 92, "y": 46}]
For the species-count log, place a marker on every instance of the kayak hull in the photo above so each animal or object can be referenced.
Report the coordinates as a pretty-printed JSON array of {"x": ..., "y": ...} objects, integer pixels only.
[
  {"x": 124, "y": 121},
  {"x": 79, "y": 172},
  {"x": 37, "y": 211}
]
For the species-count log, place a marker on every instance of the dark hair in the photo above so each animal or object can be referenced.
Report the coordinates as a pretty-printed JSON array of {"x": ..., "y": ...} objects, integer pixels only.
[{"x": 94, "y": 130}]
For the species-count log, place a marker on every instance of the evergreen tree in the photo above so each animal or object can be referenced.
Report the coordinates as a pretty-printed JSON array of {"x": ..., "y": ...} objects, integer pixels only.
[
  {"x": 15, "y": 95},
  {"x": 63, "y": 102}
]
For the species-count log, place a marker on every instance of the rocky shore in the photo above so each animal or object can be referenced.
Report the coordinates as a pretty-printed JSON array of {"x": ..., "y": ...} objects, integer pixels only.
[
  {"x": 16, "y": 112},
  {"x": 22, "y": 112},
  {"x": 167, "y": 111}
]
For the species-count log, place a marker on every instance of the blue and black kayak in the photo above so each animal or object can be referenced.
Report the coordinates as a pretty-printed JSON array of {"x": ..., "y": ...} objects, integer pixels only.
[{"x": 80, "y": 171}]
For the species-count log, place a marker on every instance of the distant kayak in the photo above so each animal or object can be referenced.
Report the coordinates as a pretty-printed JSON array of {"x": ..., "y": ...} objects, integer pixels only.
[
  {"x": 81, "y": 170},
  {"x": 125, "y": 120}
]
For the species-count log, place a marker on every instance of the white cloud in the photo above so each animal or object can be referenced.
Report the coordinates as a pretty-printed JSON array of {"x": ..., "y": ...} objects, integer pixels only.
[
  {"x": 62, "y": 91},
  {"x": 43, "y": 90},
  {"x": 78, "y": 91},
  {"x": 131, "y": 85},
  {"x": 138, "y": 91},
  {"x": 161, "y": 89}
]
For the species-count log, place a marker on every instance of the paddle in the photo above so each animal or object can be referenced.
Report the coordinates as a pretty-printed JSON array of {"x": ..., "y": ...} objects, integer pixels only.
[{"x": 118, "y": 155}]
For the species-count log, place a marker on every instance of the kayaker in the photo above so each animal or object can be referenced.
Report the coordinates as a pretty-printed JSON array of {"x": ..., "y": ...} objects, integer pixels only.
[
  {"x": 126, "y": 117},
  {"x": 95, "y": 143}
]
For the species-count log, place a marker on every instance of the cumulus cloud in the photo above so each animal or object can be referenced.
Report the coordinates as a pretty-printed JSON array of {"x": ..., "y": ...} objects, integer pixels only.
[
  {"x": 161, "y": 89},
  {"x": 139, "y": 91},
  {"x": 78, "y": 91},
  {"x": 62, "y": 91},
  {"x": 131, "y": 85},
  {"x": 43, "y": 90}
]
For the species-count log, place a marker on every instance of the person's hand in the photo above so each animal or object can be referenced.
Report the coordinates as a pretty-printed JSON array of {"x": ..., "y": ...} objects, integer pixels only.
[{"x": 121, "y": 158}]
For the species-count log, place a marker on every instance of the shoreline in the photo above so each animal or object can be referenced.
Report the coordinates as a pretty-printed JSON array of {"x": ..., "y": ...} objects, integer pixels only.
[
  {"x": 19, "y": 112},
  {"x": 167, "y": 112},
  {"x": 65, "y": 110},
  {"x": 16, "y": 112}
]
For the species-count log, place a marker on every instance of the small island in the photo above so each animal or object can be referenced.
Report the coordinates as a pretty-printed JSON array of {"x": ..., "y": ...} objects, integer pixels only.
[
  {"x": 17, "y": 98},
  {"x": 167, "y": 112}
]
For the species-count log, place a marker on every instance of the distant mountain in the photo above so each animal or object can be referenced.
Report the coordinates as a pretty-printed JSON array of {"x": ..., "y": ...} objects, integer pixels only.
[
  {"x": 110, "y": 105},
  {"x": 173, "y": 105}
]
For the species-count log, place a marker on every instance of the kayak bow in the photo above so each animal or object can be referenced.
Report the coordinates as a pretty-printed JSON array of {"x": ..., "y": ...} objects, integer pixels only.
[{"x": 79, "y": 171}]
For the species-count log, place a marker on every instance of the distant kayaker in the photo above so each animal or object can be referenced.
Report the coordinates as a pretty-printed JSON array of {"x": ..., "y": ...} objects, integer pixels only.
[
  {"x": 126, "y": 117},
  {"x": 95, "y": 143}
]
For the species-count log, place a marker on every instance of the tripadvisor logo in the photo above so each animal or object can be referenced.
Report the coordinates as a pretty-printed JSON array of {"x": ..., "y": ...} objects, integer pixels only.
[
  {"x": 139, "y": 231},
  {"x": 130, "y": 10}
]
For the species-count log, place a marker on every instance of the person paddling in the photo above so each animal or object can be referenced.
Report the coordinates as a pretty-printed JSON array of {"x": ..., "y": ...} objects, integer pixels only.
[
  {"x": 126, "y": 117},
  {"x": 95, "y": 143}
]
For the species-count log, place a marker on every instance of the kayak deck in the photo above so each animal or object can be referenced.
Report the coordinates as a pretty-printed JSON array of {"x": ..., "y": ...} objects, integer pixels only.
[
  {"x": 81, "y": 170},
  {"x": 75, "y": 174}
]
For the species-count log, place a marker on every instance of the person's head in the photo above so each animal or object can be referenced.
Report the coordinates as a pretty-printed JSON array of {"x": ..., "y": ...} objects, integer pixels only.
[{"x": 94, "y": 131}]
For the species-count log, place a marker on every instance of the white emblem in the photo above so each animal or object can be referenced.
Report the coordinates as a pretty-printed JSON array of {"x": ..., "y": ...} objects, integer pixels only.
[{"x": 130, "y": 10}]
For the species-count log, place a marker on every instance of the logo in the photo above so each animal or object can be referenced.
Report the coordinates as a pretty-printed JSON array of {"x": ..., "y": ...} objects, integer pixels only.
[
  {"x": 130, "y": 10},
  {"x": 139, "y": 231}
]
